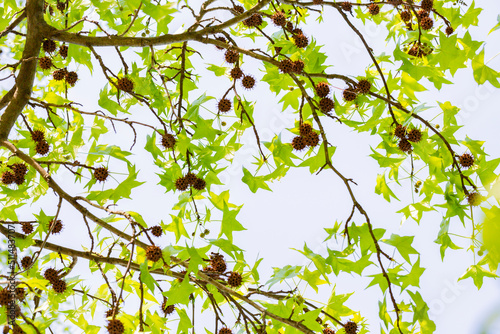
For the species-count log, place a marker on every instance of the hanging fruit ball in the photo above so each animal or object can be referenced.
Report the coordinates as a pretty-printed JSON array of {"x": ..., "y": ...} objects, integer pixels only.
[
  {"x": 168, "y": 141},
  {"x": 466, "y": 160},
  {"x": 153, "y": 253},
  {"x": 101, "y": 174}
]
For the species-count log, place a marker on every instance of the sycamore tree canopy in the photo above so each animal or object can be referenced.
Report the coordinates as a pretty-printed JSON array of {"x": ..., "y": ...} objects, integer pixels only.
[{"x": 104, "y": 102}]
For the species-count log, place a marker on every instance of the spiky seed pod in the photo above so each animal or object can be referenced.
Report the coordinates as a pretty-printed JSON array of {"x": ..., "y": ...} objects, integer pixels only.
[
  {"x": 218, "y": 263},
  {"x": 466, "y": 160},
  {"x": 404, "y": 145},
  {"x": 326, "y": 104},
  {"x": 190, "y": 178},
  {"x": 59, "y": 286},
  {"x": 348, "y": 95},
  {"x": 405, "y": 15},
  {"x": 181, "y": 184},
  {"x": 449, "y": 30},
  {"x": 225, "y": 330},
  {"x": 20, "y": 293},
  {"x": 63, "y": 51},
  {"x": 322, "y": 89},
  {"x": 168, "y": 140},
  {"x": 224, "y": 105},
  {"x": 156, "y": 231},
  {"x": 328, "y": 330},
  {"x": 5, "y": 297},
  {"x": 19, "y": 179},
  {"x": 351, "y": 327},
  {"x": 58, "y": 226},
  {"x": 125, "y": 84},
  {"x": 415, "y": 51},
  {"x": 346, "y": 6},
  {"x": 101, "y": 174},
  {"x": 364, "y": 86},
  {"x": 475, "y": 199},
  {"x": 426, "y": 23},
  {"x": 298, "y": 143},
  {"x": 8, "y": 177},
  {"x": 414, "y": 135},
  {"x": 42, "y": 147},
  {"x": 27, "y": 228},
  {"x": 236, "y": 73},
  {"x": 59, "y": 75},
  {"x": 45, "y": 63},
  {"x": 427, "y": 5},
  {"x": 400, "y": 131},
  {"x": 109, "y": 313},
  {"x": 231, "y": 56},
  {"x": 253, "y": 21},
  {"x": 300, "y": 41},
  {"x": 248, "y": 81},
  {"x": 153, "y": 253},
  {"x": 26, "y": 262},
  {"x": 286, "y": 66},
  {"x": 312, "y": 139},
  {"x": 51, "y": 275},
  {"x": 297, "y": 31},
  {"x": 167, "y": 309},
  {"x": 239, "y": 9},
  {"x": 298, "y": 66},
  {"x": 279, "y": 19},
  {"x": 422, "y": 13},
  {"x": 61, "y": 6},
  {"x": 49, "y": 46},
  {"x": 19, "y": 169},
  {"x": 38, "y": 135},
  {"x": 71, "y": 78},
  {"x": 221, "y": 39},
  {"x": 289, "y": 26},
  {"x": 115, "y": 326},
  {"x": 234, "y": 280},
  {"x": 374, "y": 9},
  {"x": 6, "y": 329},
  {"x": 305, "y": 129},
  {"x": 199, "y": 184}
]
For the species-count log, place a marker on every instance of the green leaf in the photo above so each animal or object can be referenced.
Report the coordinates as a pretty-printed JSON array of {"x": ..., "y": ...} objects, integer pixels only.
[
  {"x": 403, "y": 245},
  {"x": 477, "y": 273}
]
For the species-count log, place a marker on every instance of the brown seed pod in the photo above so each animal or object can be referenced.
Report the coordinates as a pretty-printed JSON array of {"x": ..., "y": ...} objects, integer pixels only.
[
  {"x": 45, "y": 63},
  {"x": 328, "y": 330},
  {"x": 364, "y": 86},
  {"x": 221, "y": 39},
  {"x": 38, "y": 135},
  {"x": 59, "y": 75},
  {"x": 218, "y": 263},
  {"x": 422, "y": 13},
  {"x": 157, "y": 231},
  {"x": 5, "y": 297},
  {"x": 298, "y": 66},
  {"x": 225, "y": 330},
  {"x": 405, "y": 15},
  {"x": 248, "y": 82},
  {"x": 51, "y": 275},
  {"x": 42, "y": 147},
  {"x": 153, "y": 253},
  {"x": 26, "y": 262},
  {"x": 466, "y": 160},
  {"x": 404, "y": 145},
  {"x": 6, "y": 329},
  {"x": 20, "y": 293},
  {"x": 414, "y": 135},
  {"x": 115, "y": 326},
  {"x": 346, "y": 6},
  {"x": 297, "y": 31},
  {"x": 58, "y": 226},
  {"x": 475, "y": 199},
  {"x": 298, "y": 143},
  {"x": 234, "y": 280},
  {"x": 167, "y": 309},
  {"x": 59, "y": 286},
  {"x": 351, "y": 327},
  {"x": 231, "y": 56},
  {"x": 199, "y": 184},
  {"x": 224, "y": 105},
  {"x": 322, "y": 89},
  {"x": 427, "y": 5},
  {"x": 49, "y": 46},
  {"x": 374, "y": 9},
  {"x": 349, "y": 95},
  {"x": 326, "y": 104},
  {"x": 426, "y": 23},
  {"x": 61, "y": 6},
  {"x": 19, "y": 179},
  {"x": 19, "y": 169},
  {"x": 27, "y": 228},
  {"x": 181, "y": 184},
  {"x": 239, "y": 9},
  {"x": 449, "y": 30},
  {"x": 305, "y": 129},
  {"x": 191, "y": 178},
  {"x": 63, "y": 51},
  {"x": 8, "y": 177},
  {"x": 101, "y": 174},
  {"x": 125, "y": 84},
  {"x": 236, "y": 73},
  {"x": 71, "y": 78},
  {"x": 400, "y": 131},
  {"x": 289, "y": 26},
  {"x": 279, "y": 19},
  {"x": 286, "y": 66},
  {"x": 168, "y": 140},
  {"x": 253, "y": 21},
  {"x": 300, "y": 41},
  {"x": 311, "y": 139}
]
